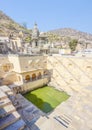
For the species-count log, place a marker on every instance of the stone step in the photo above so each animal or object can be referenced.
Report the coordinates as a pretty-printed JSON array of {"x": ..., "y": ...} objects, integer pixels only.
[
  {"x": 7, "y": 110},
  {"x": 10, "y": 93},
  {"x": 41, "y": 120},
  {"x": 4, "y": 102},
  {"x": 8, "y": 120},
  {"x": 2, "y": 95},
  {"x": 5, "y": 88},
  {"x": 64, "y": 119},
  {"x": 68, "y": 117},
  {"x": 61, "y": 121},
  {"x": 18, "y": 125},
  {"x": 13, "y": 99}
]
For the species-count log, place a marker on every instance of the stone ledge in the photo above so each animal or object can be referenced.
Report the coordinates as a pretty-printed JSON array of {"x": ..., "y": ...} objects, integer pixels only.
[{"x": 8, "y": 120}]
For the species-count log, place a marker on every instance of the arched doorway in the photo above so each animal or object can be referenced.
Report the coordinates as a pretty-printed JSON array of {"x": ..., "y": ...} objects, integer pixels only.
[
  {"x": 36, "y": 44},
  {"x": 27, "y": 78},
  {"x": 39, "y": 75},
  {"x": 33, "y": 77}
]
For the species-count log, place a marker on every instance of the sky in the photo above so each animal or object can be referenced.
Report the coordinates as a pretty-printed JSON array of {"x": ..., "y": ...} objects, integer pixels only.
[{"x": 50, "y": 14}]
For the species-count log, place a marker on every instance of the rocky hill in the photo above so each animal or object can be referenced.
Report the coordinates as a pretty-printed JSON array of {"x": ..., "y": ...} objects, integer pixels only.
[
  {"x": 7, "y": 26},
  {"x": 71, "y": 33}
]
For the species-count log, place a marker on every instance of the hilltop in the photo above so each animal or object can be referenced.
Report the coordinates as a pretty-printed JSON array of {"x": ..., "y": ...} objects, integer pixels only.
[
  {"x": 7, "y": 26},
  {"x": 71, "y": 33}
]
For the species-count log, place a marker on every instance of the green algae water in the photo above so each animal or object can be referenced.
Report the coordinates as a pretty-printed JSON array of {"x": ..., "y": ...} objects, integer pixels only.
[{"x": 46, "y": 98}]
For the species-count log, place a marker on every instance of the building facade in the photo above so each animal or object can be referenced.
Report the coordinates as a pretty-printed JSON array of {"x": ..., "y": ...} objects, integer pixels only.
[{"x": 25, "y": 72}]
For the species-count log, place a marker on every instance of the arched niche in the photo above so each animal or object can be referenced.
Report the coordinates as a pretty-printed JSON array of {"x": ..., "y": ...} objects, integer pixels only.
[
  {"x": 27, "y": 77},
  {"x": 33, "y": 76},
  {"x": 39, "y": 75}
]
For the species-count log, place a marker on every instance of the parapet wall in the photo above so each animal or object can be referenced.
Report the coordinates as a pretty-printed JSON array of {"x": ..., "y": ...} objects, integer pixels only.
[{"x": 27, "y": 63}]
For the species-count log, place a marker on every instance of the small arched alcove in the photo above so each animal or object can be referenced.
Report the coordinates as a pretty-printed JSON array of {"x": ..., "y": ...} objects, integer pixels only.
[
  {"x": 27, "y": 77},
  {"x": 33, "y": 76}
]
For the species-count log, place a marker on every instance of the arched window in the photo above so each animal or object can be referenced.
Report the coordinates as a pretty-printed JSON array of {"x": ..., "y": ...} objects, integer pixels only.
[
  {"x": 5, "y": 68},
  {"x": 33, "y": 77},
  {"x": 39, "y": 75},
  {"x": 45, "y": 72},
  {"x": 27, "y": 77}
]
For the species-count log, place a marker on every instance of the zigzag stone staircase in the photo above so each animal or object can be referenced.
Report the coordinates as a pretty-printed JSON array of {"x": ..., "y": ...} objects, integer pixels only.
[
  {"x": 9, "y": 117},
  {"x": 70, "y": 73}
]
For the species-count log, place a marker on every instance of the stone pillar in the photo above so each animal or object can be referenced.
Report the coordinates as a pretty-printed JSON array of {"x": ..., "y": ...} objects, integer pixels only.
[
  {"x": 16, "y": 47},
  {"x": 12, "y": 45}
]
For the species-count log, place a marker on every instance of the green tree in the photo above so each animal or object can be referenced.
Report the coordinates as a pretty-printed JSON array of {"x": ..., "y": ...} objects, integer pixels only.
[
  {"x": 28, "y": 39},
  {"x": 73, "y": 44}
]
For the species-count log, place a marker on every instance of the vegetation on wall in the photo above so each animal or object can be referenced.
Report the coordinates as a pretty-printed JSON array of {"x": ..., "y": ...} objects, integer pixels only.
[{"x": 28, "y": 39}]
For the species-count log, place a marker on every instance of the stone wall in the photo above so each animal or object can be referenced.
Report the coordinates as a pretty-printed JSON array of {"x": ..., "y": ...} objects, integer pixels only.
[
  {"x": 28, "y": 63},
  {"x": 35, "y": 84},
  {"x": 31, "y": 85},
  {"x": 5, "y": 65},
  {"x": 70, "y": 72}
]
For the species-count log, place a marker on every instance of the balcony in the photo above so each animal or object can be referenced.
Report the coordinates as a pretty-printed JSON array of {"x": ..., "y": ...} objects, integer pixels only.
[{"x": 37, "y": 78}]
